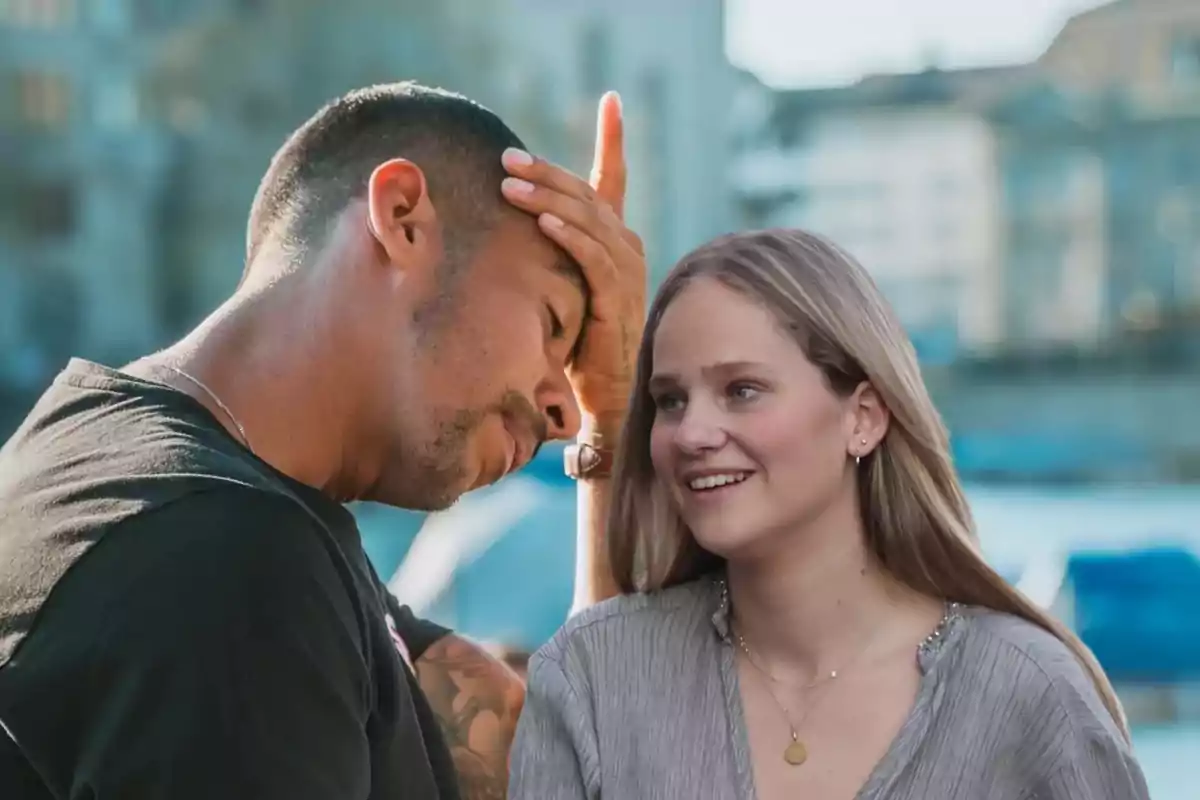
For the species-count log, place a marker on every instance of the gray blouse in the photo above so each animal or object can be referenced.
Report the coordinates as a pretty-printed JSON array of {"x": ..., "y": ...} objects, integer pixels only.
[{"x": 638, "y": 697}]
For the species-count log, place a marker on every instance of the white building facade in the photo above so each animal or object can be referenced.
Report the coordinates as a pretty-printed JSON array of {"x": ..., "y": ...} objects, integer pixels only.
[{"x": 910, "y": 189}]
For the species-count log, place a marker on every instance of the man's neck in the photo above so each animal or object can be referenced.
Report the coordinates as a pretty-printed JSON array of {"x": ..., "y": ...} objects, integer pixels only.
[
  {"x": 265, "y": 357},
  {"x": 820, "y": 600}
]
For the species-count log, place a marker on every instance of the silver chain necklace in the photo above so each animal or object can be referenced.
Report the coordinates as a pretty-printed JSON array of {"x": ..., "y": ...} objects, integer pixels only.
[{"x": 213, "y": 396}]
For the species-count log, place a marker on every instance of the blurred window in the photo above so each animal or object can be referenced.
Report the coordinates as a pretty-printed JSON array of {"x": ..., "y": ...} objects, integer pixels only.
[
  {"x": 1185, "y": 61},
  {"x": 49, "y": 210},
  {"x": 42, "y": 99},
  {"x": 37, "y": 13}
]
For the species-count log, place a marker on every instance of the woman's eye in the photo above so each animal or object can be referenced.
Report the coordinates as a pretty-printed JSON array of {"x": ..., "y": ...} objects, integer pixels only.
[
  {"x": 668, "y": 402},
  {"x": 743, "y": 391}
]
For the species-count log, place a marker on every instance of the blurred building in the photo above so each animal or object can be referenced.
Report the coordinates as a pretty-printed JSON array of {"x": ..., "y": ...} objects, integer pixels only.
[
  {"x": 1024, "y": 208},
  {"x": 1054, "y": 244},
  {"x": 81, "y": 184},
  {"x": 901, "y": 170},
  {"x": 1133, "y": 69},
  {"x": 1102, "y": 179},
  {"x": 1147, "y": 48}
]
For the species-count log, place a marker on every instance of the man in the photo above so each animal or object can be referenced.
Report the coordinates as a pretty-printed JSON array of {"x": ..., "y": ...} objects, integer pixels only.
[{"x": 186, "y": 610}]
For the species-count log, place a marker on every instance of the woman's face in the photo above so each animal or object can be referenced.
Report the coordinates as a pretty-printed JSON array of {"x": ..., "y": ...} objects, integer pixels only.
[{"x": 748, "y": 436}]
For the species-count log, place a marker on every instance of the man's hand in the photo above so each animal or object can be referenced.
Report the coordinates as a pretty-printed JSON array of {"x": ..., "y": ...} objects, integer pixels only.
[
  {"x": 586, "y": 220},
  {"x": 477, "y": 700}
]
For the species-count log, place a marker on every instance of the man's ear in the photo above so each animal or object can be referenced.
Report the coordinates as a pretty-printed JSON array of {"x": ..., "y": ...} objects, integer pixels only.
[{"x": 402, "y": 218}]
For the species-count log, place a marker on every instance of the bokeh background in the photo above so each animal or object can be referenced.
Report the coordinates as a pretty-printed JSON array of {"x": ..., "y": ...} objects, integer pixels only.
[{"x": 1022, "y": 177}]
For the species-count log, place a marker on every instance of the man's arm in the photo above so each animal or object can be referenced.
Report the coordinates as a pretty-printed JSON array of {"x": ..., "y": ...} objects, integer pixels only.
[{"x": 477, "y": 699}]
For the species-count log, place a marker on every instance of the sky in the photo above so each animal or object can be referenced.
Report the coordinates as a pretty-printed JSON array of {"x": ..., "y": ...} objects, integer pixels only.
[{"x": 795, "y": 43}]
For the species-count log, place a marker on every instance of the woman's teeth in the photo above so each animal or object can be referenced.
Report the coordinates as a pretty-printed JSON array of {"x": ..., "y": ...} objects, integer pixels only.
[{"x": 715, "y": 481}]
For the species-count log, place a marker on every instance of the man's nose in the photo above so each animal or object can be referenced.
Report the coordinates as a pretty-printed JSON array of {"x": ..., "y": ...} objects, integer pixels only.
[{"x": 560, "y": 409}]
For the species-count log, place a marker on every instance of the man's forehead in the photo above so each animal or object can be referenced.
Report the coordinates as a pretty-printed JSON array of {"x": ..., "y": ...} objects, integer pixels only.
[{"x": 523, "y": 236}]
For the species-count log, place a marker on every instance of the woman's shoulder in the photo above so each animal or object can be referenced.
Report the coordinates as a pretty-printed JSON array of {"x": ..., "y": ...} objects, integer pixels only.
[
  {"x": 1026, "y": 668},
  {"x": 1034, "y": 653},
  {"x": 669, "y": 618},
  {"x": 990, "y": 629}
]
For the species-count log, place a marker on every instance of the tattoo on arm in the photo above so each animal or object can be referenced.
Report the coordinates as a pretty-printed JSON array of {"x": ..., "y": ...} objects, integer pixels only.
[{"x": 477, "y": 700}]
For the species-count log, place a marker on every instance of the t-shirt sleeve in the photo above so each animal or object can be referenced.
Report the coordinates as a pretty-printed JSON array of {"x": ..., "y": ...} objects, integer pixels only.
[
  {"x": 208, "y": 649},
  {"x": 418, "y": 634}
]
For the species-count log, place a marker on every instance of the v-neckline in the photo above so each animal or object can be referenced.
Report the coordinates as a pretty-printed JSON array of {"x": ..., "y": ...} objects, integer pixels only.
[{"x": 903, "y": 744}]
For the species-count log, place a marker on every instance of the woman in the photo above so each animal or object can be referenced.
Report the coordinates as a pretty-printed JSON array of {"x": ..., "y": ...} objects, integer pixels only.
[{"x": 806, "y": 611}]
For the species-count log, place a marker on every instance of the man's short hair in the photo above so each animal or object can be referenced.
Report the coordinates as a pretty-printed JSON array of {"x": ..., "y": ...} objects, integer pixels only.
[{"x": 326, "y": 163}]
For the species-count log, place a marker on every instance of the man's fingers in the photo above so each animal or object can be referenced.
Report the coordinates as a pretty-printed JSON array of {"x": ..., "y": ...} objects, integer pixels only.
[
  {"x": 608, "y": 165},
  {"x": 608, "y": 168},
  {"x": 599, "y": 269},
  {"x": 595, "y": 219},
  {"x": 541, "y": 172}
]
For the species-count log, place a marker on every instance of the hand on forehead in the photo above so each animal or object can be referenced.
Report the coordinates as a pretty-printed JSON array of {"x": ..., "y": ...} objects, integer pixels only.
[{"x": 585, "y": 220}]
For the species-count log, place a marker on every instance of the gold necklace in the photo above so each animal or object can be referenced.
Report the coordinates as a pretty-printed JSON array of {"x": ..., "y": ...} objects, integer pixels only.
[{"x": 796, "y": 752}]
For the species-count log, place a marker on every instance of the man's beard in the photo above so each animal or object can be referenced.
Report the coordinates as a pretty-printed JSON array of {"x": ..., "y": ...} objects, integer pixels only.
[{"x": 442, "y": 475}]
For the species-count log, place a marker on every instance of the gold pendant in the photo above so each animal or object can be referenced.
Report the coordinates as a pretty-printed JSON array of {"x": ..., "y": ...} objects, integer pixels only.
[{"x": 796, "y": 753}]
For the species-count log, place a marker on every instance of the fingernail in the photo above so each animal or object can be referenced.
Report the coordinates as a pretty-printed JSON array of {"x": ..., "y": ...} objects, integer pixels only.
[
  {"x": 616, "y": 98},
  {"x": 515, "y": 157},
  {"x": 516, "y": 186},
  {"x": 550, "y": 221}
]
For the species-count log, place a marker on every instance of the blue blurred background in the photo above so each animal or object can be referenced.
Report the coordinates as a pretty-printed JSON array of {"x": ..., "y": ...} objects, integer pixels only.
[{"x": 1022, "y": 178}]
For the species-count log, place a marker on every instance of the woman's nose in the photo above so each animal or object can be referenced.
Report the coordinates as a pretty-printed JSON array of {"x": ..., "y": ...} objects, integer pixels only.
[{"x": 699, "y": 430}]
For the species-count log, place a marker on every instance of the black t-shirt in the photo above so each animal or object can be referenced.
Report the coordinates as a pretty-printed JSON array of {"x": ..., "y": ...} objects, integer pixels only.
[{"x": 179, "y": 620}]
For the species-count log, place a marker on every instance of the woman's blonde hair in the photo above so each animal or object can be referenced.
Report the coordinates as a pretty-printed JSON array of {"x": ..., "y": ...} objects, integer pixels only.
[{"x": 917, "y": 521}]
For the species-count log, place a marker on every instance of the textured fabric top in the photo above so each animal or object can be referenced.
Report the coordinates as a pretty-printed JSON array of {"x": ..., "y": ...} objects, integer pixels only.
[{"x": 638, "y": 697}]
